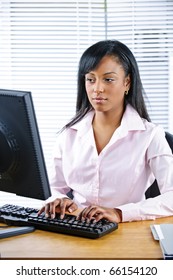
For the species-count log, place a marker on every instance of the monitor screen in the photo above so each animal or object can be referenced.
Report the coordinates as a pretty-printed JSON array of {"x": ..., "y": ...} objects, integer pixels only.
[{"x": 22, "y": 165}]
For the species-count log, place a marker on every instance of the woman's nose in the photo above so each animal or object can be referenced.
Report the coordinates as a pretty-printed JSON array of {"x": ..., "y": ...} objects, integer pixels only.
[{"x": 98, "y": 87}]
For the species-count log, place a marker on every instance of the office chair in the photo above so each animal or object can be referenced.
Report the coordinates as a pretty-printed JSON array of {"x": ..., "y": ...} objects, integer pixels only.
[{"x": 153, "y": 190}]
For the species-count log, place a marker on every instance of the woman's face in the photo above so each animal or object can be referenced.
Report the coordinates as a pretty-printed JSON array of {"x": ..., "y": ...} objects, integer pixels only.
[{"x": 106, "y": 85}]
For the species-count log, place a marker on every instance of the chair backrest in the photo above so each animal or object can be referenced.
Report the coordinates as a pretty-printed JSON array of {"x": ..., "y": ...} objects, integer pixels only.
[
  {"x": 153, "y": 190},
  {"x": 169, "y": 138}
]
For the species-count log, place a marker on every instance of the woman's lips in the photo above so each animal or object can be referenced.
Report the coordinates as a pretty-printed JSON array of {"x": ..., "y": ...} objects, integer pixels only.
[{"x": 99, "y": 99}]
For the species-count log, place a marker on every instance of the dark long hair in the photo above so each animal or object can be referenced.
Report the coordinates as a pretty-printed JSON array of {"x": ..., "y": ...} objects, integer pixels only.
[{"x": 90, "y": 60}]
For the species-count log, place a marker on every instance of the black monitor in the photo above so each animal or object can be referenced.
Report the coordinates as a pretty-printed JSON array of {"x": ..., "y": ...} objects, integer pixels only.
[{"x": 22, "y": 164}]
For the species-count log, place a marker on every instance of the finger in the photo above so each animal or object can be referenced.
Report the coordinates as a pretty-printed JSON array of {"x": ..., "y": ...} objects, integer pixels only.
[
  {"x": 63, "y": 205},
  {"x": 72, "y": 207},
  {"x": 80, "y": 215},
  {"x": 92, "y": 213},
  {"x": 52, "y": 208},
  {"x": 98, "y": 217},
  {"x": 41, "y": 210},
  {"x": 47, "y": 210},
  {"x": 84, "y": 214}
]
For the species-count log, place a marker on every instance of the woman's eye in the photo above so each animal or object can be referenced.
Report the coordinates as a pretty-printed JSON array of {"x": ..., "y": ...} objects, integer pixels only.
[
  {"x": 109, "y": 80},
  {"x": 90, "y": 80}
]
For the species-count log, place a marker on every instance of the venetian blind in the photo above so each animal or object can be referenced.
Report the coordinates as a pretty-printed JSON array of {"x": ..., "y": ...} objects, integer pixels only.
[
  {"x": 146, "y": 26},
  {"x": 41, "y": 43}
]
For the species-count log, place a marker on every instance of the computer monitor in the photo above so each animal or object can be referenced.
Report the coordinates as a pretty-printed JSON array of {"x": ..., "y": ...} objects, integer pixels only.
[{"x": 22, "y": 164}]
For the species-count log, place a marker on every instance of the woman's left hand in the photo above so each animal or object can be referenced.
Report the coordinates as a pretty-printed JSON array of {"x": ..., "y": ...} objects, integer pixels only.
[{"x": 95, "y": 212}]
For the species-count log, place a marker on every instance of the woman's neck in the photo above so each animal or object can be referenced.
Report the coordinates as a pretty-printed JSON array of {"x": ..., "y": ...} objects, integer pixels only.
[
  {"x": 103, "y": 128},
  {"x": 105, "y": 119}
]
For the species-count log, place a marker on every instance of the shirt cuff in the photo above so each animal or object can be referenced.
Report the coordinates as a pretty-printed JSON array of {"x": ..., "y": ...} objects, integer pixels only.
[{"x": 130, "y": 212}]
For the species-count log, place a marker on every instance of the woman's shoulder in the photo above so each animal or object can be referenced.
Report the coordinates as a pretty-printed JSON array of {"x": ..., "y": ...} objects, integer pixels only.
[
  {"x": 156, "y": 137},
  {"x": 154, "y": 128}
]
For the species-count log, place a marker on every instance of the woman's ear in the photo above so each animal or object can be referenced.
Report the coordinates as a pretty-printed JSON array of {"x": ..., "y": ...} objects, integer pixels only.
[{"x": 127, "y": 82}]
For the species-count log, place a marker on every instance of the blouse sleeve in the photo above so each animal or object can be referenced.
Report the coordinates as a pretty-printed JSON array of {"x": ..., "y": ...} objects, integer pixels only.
[
  {"x": 160, "y": 160},
  {"x": 58, "y": 184}
]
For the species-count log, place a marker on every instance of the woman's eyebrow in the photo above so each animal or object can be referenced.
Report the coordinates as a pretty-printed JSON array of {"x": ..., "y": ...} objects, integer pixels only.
[{"x": 108, "y": 73}]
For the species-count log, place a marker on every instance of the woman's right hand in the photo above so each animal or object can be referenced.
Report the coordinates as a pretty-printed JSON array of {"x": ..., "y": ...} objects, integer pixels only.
[{"x": 60, "y": 205}]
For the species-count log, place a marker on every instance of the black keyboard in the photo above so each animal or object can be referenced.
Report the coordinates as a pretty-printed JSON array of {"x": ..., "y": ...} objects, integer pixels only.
[{"x": 14, "y": 215}]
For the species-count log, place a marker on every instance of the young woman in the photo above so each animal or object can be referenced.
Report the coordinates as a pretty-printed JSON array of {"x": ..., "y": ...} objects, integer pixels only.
[{"x": 110, "y": 153}]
